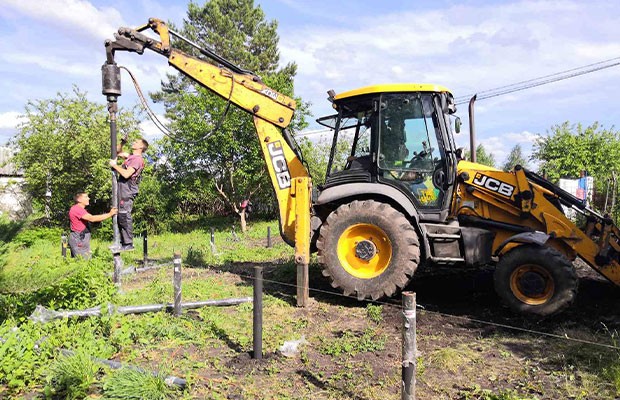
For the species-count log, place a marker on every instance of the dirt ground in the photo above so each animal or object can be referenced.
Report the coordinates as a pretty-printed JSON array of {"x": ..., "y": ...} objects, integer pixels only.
[{"x": 466, "y": 348}]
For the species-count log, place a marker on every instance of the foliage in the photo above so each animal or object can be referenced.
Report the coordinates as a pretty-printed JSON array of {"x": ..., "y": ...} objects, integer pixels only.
[
  {"x": 374, "y": 313},
  {"x": 477, "y": 393},
  {"x": 71, "y": 376},
  {"x": 568, "y": 149},
  {"x": 8, "y": 230},
  {"x": 482, "y": 157},
  {"x": 153, "y": 205},
  {"x": 230, "y": 161},
  {"x": 27, "y": 349},
  {"x": 29, "y": 237},
  {"x": 131, "y": 384},
  {"x": 515, "y": 157},
  {"x": 316, "y": 155},
  {"x": 54, "y": 283},
  {"x": 63, "y": 147}
]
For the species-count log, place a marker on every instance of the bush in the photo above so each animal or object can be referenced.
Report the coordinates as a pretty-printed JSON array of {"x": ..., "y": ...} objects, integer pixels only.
[
  {"x": 56, "y": 284},
  {"x": 28, "y": 237}
]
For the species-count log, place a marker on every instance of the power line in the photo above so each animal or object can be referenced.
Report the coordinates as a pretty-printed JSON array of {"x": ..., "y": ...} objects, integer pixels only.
[{"x": 543, "y": 80}]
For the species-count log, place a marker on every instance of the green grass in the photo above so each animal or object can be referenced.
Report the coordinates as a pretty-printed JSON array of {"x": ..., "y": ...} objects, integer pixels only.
[
  {"x": 131, "y": 384},
  {"x": 205, "y": 341},
  {"x": 71, "y": 376}
]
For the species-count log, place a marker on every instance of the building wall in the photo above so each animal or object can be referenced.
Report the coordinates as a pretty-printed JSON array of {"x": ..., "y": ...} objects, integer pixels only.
[{"x": 14, "y": 201}]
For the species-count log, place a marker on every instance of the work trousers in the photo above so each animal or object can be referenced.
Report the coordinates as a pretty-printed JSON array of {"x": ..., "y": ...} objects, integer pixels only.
[
  {"x": 125, "y": 223},
  {"x": 79, "y": 243}
]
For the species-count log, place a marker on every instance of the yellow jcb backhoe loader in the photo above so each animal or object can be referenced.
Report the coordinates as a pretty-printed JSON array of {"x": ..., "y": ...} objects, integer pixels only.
[{"x": 403, "y": 196}]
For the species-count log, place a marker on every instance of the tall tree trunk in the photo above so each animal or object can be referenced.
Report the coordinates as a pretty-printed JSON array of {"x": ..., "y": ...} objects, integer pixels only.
[{"x": 244, "y": 227}]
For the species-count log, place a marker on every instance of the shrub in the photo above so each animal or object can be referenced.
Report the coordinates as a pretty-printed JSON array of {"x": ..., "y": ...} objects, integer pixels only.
[{"x": 59, "y": 284}]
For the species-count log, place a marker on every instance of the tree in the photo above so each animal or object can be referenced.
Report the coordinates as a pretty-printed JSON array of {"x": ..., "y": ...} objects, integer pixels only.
[
  {"x": 515, "y": 158},
  {"x": 316, "y": 156},
  {"x": 482, "y": 157},
  {"x": 64, "y": 145},
  {"x": 568, "y": 149},
  {"x": 230, "y": 155}
]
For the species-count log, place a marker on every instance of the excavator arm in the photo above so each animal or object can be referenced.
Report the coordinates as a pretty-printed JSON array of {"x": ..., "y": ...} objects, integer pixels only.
[
  {"x": 272, "y": 113},
  {"x": 521, "y": 203}
]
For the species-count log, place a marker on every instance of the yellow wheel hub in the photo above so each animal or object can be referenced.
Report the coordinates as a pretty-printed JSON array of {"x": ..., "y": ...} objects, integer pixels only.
[
  {"x": 364, "y": 250},
  {"x": 532, "y": 284}
]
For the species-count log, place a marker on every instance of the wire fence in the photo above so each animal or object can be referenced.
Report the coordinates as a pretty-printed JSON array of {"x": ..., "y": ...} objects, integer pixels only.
[{"x": 395, "y": 304}]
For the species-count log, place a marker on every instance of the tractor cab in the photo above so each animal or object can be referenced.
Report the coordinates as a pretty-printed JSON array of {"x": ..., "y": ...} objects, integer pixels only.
[{"x": 397, "y": 135}]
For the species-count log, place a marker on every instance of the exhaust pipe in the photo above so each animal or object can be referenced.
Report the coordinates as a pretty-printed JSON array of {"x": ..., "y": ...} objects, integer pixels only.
[{"x": 472, "y": 130}]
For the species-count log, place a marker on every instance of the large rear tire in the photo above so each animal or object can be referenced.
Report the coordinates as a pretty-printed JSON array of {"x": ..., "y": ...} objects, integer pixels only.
[
  {"x": 535, "y": 280},
  {"x": 368, "y": 249}
]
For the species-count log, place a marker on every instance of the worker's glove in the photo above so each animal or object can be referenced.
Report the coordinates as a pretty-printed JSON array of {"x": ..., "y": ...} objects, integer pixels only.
[{"x": 113, "y": 162}]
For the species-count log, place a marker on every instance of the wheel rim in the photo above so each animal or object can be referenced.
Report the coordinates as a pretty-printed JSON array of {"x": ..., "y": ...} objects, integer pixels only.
[
  {"x": 364, "y": 250},
  {"x": 532, "y": 284}
]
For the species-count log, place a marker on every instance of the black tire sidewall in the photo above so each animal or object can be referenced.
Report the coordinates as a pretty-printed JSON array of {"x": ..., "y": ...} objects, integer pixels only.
[
  {"x": 559, "y": 268},
  {"x": 397, "y": 228}
]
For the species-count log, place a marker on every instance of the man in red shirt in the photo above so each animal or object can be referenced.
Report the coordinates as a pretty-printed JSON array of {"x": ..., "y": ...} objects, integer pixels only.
[
  {"x": 130, "y": 173},
  {"x": 79, "y": 238}
]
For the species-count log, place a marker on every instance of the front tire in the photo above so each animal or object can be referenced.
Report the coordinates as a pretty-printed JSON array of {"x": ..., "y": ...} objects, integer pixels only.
[
  {"x": 535, "y": 280},
  {"x": 368, "y": 249}
]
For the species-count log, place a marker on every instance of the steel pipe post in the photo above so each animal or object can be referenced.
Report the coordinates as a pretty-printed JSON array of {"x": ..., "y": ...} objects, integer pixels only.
[
  {"x": 145, "y": 250},
  {"x": 268, "y": 236},
  {"x": 409, "y": 346},
  {"x": 63, "y": 245},
  {"x": 258, "y": 313},
  {"x": 177, "y": 284}
]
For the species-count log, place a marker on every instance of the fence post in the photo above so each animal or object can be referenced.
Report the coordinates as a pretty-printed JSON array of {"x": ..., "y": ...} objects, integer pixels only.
[
  {"x": 409, "y": 346},
  {"x": 258, "y": 313},
  {"x": 269, "y": 237},
  {"x": 212, "y": 236},
  {"x": 177, "y": 284},
  {"x": 118, "y": 268},
  {"x": 145, "y": 250},
  {"x": 63, "y": 245}
]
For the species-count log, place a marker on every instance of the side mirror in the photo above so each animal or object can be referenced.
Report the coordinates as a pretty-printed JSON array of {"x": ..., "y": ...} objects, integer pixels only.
[{"x": 457, "y": 125}]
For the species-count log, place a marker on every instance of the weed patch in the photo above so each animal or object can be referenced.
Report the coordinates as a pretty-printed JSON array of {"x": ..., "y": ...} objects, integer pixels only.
[
  {"x": 352, "y": 343},
  {"x": 131, "y": 384},
  {"x": 71, "y": 377}
]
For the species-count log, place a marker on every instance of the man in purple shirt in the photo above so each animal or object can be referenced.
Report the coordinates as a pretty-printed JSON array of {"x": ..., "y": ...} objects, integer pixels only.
[{"x": 129, "y": 172}]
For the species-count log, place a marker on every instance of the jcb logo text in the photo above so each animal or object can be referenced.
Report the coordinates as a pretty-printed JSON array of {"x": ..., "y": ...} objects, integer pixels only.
[
  {"x": 279, "y": 164},
  {"x": 493, "y": 184}
]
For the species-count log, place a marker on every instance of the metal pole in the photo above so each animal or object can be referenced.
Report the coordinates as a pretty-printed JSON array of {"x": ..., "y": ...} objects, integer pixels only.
[
  {"x": 111, "y": 88},
  {"x": 258, "y": 313},
  {"x": 212, "y": 236},
  {"x": 303, "y": 290},
  {"x": 63, "y": 245},
  {"x": 409, "y": 346},
  {"x": 472, "y": 130},
  {"x": 269, "y": 236},
  {"x": 145, "y": 250},
  {"x": 116, "y": 255},
  {"x": 177, "y": 284}
]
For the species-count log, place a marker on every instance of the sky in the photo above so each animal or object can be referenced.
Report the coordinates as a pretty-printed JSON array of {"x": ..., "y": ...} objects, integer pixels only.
[{"x": 50, "y": 46}]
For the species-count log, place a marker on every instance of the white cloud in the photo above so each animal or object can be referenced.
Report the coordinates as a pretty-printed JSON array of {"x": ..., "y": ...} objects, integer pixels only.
[
  {"x": 149, "y": 129},
  {"x": 49, "y": 62},
  {"x": 467, "y": 48},
  {"x": 70, "y": 15},
  {"x": 10, "y": 119}
]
